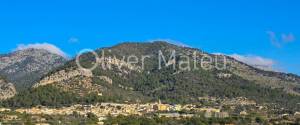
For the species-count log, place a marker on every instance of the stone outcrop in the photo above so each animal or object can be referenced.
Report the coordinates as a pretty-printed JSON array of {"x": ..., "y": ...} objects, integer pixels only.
[
  {"x": 82, "y": 85},
  {"x": 74, "y": 80},
  {"x": 62, "y": 75},
  {"x": 106, "y": 79},
  {"x": 7, "y": 90}
]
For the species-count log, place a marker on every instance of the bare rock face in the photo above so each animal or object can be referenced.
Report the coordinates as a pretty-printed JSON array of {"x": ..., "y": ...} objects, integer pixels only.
[
  {"x": 71, "y": 79},
  {"x": 82, "y": 85},
  {"x": 62, "y": 75},
  {"x": 7, "y": 90},
  {"x": 24, "y": 67}
]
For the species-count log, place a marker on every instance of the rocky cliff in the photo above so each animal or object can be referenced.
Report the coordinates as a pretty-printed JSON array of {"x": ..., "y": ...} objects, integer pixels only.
[{"x": 7, "y": 90}]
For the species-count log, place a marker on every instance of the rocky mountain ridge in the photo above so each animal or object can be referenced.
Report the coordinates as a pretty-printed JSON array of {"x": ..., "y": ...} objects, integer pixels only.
[{"x": 24, "y": 67}]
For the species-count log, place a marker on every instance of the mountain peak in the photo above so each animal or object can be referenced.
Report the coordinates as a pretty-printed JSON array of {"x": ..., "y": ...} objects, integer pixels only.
[
  {"x": 160, "y": 43},
  {"x": 35, "y": 51},
  {"x": 28, "y": 65}
]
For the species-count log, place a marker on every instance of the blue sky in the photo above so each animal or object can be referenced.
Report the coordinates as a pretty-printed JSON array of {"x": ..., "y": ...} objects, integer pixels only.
[{"x": 253, "y": 29}]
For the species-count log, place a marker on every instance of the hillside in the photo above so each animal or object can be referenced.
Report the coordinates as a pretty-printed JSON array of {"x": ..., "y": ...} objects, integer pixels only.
[
  {"x": 7, "y": 90},
  {"x": 120, "y": 81},
  {"x": 24, "y": 67}
]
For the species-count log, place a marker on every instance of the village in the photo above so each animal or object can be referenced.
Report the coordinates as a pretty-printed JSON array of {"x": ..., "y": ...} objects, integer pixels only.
[{"x": 225, "y": 108}]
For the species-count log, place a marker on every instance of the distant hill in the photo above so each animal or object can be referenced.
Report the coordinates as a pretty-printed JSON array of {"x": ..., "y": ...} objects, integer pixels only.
[
  {"x": 125, "y": 82},
  {"x": 24, "y": 67}
]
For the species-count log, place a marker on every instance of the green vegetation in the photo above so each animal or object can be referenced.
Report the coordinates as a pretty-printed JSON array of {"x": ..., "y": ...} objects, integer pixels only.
[
  {"x": 72, "y": 119},
  {"x": 51, "y": 96},
  {"x": 154, "y": 120},
  {"x": 46, "y": 95}
]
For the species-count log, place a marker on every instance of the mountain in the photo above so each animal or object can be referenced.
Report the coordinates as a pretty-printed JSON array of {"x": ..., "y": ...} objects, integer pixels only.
[
  {"x": 131, "y": 72},
  {"x": 290, "y": 83},
  {"x": 24, "y": 67}
]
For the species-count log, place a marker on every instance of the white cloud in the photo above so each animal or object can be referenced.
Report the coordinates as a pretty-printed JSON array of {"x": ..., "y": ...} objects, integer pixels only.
[
  {"x": 278, "y": 40},
  {"x": 73, "y": 40},
  {"x": 219, "y": 54},
  {"x": 273, "y": 39},
  {"x": 288, "y": 37},
  {"x": 256, "y": 61},
  {"x": 46, "y": 46},
  {"x": 178, "y": 43}
]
